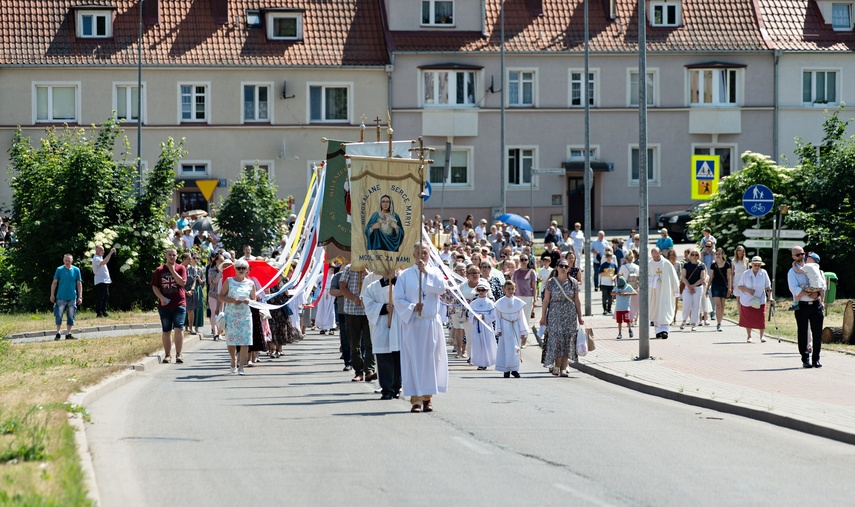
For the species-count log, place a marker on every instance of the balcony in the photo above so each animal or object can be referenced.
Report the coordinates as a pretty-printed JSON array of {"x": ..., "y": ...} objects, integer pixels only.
[
  {"x": 455, "y": 122},
  {"x": 715, "y": 120}
]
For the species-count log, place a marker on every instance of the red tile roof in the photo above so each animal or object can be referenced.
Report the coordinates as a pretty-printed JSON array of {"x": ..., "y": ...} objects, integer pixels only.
[
  {"x": 708, "y": 25},
  {"x": 797, "y": 25},
  {"x": 335, "y": 32}
]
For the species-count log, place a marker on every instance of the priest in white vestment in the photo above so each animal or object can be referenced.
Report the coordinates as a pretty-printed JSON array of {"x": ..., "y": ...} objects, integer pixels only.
[
  {"x": 662, "y": 287},
  {"x": 511, "y": 329},
  {"x": 424, "y": 359},
  {"x": 482, "y": 338},
  {"x": 385, "y": 335}
]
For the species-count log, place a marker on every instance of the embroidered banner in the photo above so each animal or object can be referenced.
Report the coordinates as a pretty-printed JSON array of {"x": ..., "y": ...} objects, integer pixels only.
[{"x": 387, "y": 212}]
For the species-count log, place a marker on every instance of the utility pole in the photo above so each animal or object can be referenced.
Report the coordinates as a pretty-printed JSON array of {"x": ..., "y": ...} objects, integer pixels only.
[
  {"x": 643, "y": 211},
  {"x": 589, "y": 175}
]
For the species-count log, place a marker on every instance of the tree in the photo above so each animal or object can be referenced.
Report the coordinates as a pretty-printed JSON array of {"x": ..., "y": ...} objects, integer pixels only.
[
  {"x": 251, "y": 214},
  {"x": 71, "y": 192}
]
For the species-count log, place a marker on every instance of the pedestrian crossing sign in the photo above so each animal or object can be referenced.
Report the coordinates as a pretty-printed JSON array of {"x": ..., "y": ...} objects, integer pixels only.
[{"x": 706, "y": 170}]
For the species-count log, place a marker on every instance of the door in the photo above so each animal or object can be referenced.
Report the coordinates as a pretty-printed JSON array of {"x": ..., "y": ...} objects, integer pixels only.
[
  {"x": 192, "y": 199},
  {"x": 576, "y": 202}
]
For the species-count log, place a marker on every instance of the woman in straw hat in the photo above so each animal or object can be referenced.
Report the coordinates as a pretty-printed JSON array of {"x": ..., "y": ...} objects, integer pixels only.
[{"x": 755, "y": 289}]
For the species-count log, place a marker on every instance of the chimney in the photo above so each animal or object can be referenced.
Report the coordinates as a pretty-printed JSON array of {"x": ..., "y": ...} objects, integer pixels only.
[
  {"x": 220, "y": 10},
  {"x": 535, "y": 7},
  {"x": 151, "y": 12}
]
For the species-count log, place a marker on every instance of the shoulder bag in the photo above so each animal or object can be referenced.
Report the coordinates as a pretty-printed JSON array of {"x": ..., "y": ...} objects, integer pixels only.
[{"x": 682, "y": 283}]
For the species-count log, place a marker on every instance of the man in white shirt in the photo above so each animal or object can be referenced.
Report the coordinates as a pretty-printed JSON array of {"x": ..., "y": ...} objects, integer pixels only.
[
  {"x": 481, "y": 230},
  {"x": 102, "y": 279},
  {"x": 578, "y": 237}
]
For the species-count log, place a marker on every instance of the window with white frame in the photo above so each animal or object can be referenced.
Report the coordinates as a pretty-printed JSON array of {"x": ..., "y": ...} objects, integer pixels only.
[
  {"x": 578, "y": 153},
  {"x": 191, "y": 169},
  {"x": 577, "y": 87},
  {"x": 520, "y": 163},
  {"x": 819, "y": 87},
  {"x": 329, "y": 102},
  {"x": 841, "y": 17},
  {"x": 652, "y": 165},
  {"x": 94, "y": 24},
  {"x": 714, "y": 87},
  {"x": 448, "y": 88},
  {"x": 194, "y": 102},
  {"x": 256, "y": 102},
  {"x": 521, "y": 87},
  {"x": 650, "y": 90},
  {"x": 56, "y": 102},
  {"x": 725, "y": 154},
  {"x": 266, "y": 166},
  {"x": 437, "y": 12},
  {"x": 126, "y": 101},
  {"x": 285, "y": 25},
  {"x": 665, "y": 14},
  {"x": 458, "y": 172}
]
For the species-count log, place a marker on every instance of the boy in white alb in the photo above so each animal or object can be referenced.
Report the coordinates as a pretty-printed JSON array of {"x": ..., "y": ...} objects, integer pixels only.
[
  {"x": 482, "y": 340},
  {"x": 816, "y": 281},
  {"x": 511, "y": 329}
]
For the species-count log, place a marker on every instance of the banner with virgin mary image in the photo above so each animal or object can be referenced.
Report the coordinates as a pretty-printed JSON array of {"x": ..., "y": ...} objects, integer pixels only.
[{"x": 387, "y": 212}]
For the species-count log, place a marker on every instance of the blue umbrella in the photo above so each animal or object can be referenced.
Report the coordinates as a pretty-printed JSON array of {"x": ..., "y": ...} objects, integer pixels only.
[{"x": 515, "y": 220}]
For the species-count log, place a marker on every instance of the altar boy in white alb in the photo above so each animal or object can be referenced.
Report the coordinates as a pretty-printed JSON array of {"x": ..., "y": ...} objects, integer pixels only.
[
  {"x": 511, "y": 328},
  {"x": 385, "y": 335},
  {"x": 482, "y": 340},
  {"x": 424, "y": 360}
]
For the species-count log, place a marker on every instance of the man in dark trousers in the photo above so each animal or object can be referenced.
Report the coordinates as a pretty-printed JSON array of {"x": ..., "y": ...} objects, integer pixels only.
[{"x": 808, "y": 313}]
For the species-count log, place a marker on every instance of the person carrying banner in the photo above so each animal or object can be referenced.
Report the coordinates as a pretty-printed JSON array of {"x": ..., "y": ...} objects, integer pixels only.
[{"x": 385, "y": 334}]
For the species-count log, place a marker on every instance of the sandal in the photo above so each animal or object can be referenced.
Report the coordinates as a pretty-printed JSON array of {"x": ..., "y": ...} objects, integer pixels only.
[
  {"x": 428, "y": 407},
  {"x": 416, "y": 408},
  {"x": 556, "y": 371}
]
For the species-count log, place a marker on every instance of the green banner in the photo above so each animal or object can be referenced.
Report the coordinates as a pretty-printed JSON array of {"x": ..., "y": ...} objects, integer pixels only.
[{"x": 335, "y": 212}]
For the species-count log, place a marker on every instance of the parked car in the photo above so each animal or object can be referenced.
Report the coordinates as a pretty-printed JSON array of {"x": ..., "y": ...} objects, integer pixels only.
[{"x": 675, "y": 222}]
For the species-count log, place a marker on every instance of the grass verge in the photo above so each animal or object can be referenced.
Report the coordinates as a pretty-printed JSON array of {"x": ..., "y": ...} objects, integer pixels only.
[
  {"x": 39, "y": 465},
  {"x": 27, "y": 322}
]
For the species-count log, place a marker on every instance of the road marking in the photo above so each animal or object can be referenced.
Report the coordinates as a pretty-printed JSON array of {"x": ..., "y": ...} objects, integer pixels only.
[
  {"x": 582, "y": 496},
  {"x": 475, "y": 447}
]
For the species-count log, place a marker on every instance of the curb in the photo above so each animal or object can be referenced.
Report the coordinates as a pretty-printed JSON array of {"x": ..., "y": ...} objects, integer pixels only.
[
  {"x": 742, "y": 411},
  {"x": 93, "y": 393},
  {"x": 35, "y": 336}
]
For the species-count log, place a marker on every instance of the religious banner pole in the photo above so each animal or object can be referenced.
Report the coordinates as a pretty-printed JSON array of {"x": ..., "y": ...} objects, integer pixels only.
[
  {"x": 421, "y": 149},
  {"x": 362, "y": 130}
]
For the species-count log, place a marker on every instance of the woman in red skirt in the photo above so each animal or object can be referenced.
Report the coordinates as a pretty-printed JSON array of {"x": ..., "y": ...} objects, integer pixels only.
[{"x": 755, "y": 290}]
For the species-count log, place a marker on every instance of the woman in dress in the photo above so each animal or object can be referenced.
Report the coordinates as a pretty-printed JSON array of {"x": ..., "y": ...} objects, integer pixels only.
[
  {"x": 739, "y": 264},
  {"x": 526, "y": 286},
  {"x": 693, "y": 277},
  {"x": 575, "y": 270},
  {"x": 236, "y": 293},
  {"x": 755, "y": 289},
  {"x": 190, "y": 291},
  {"x": 561, "y": 312},
  {"x": 198, "y": 320},
  {"x": 720, "y": 284},
  {"x": 632, "y": 274},
  {"x": 213, "y": 286}
]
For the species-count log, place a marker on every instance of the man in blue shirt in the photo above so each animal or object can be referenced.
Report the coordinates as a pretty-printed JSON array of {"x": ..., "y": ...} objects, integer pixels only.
[
  {"x": 66, "y": 293},
  {"x": 598, "y": 250}
]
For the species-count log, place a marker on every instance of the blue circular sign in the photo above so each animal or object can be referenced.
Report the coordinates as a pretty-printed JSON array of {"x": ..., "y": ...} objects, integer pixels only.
[
  {"x": 758, "y": 200},
  {"x": 428, "y": 190}
]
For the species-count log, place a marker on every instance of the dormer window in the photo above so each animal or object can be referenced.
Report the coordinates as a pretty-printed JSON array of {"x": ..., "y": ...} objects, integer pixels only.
[
  {"x": 285, "y": 25},
  {"x": 94, "y": 24},
  {"x": 841, "y": 17},
  {"x": 665, "y": 13},
  {"x": 437, "y": 12},
  {"x": 253, "y": 19}
]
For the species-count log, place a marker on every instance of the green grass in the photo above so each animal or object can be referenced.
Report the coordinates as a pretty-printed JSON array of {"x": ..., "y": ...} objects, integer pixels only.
[{"x": 27, "y": 322}]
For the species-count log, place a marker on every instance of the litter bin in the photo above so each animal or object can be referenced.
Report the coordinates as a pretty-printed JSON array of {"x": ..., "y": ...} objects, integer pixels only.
[{"x": 831, "y": 283}]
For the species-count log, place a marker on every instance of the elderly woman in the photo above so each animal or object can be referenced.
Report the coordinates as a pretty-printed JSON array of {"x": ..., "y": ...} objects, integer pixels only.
[
  {"x": 236, "y": 294},
  {"x": 561, "y": 311},
  {"x": 755, "y": 289},
  {"x": 693, "y": 277}
]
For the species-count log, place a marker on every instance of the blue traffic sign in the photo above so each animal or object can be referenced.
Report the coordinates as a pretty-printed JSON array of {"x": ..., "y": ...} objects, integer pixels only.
[
  {"x": 428, "y": 191},
  {"x": 758, "y": 200}
]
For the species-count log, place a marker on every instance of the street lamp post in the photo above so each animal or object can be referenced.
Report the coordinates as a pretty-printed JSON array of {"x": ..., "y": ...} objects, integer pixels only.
[
  {"x": 643, "y": 211},
  {"x": 139, "y": 102},
  {"x": 589, "y": 176},
  {"x": 503, "y": 159}
]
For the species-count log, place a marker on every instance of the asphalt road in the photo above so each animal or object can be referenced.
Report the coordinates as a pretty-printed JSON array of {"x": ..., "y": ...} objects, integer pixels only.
[{"x": 297, "y": 431}]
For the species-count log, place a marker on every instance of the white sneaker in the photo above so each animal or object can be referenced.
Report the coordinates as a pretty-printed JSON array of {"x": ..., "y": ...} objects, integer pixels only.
[
  {"x": 241, "y": 372},
  {"x": 232, "y": 370}
]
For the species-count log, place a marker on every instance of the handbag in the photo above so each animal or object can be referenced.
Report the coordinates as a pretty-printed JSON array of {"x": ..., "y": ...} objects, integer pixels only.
[
  {"x": 581, "y": 343},
  {"x": 755, "y": 302},
  {"x": 589, "y": 333}
]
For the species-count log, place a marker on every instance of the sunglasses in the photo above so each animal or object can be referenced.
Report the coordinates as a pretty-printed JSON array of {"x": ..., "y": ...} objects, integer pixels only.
[
  {"x": 799, "y": 255},
  {"x": 472, "y": 273},
  {"x": 240, "y": 269},
  {"x": 481, "y": 290},
  {"x": 565, "y": 266}
]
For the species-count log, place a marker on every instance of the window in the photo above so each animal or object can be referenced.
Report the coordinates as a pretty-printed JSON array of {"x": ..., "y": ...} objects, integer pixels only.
[
  {"x": 444, "y": 88},
  {"x": 521, "y": 88},
  {"x": 819, "y": 87},
  {"x": 285, "y": 26},
  {"x": 577, "y": 85},
  {"x": 126, "y": 101},
  {"x": 193, "y": 102},
  {"x": 192, "y": 169},
  {"x": 94, "y": 24},
  {"x": 253, "y": 18},
  {"x": 578, "y": 153},
  {"x": 652, "y": 165},
  {"x": 633, "y": 88},
  {"x": 520, "y": 162},
  {"x": 841, "y": 17},
  {"x": 56, "y": 102},
  {"x": 458, "y": 173},
  {"x": 725, "y": 154},
  {"x": 256, "y": 102},
  {"x": 437, "y": 12},
  {"x": 329, "y": 103},
  {"x": 265, "y": 166},
  {"x": 665, "y": 14},
  {"x": 714, "y": 87}
]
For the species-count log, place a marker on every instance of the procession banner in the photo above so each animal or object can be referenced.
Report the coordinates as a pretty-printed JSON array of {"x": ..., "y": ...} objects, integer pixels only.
[
  {"x": 387, "y": 212},
  {"x": 336, "y": 211}
]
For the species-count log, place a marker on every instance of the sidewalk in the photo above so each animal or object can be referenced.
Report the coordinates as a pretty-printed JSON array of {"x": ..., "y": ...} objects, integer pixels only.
[{"x": 721, "y": 371}]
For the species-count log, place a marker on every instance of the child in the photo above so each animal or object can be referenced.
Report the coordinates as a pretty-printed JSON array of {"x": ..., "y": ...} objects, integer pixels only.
[
  {"x": 511, "y": 329},
  {"x": 482, "y": 343},
  {"x": 623, "y": 296},
  {"x": 607, "y": 272},
  {"x": 814, "y": 276}
]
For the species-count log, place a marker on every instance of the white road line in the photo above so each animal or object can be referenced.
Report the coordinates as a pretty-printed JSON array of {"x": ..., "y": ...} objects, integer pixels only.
[
  {"x": 582, "y": 496},
  {"x": 475, "y": 447}
]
